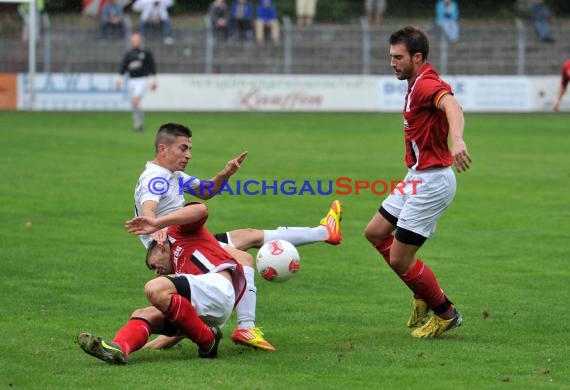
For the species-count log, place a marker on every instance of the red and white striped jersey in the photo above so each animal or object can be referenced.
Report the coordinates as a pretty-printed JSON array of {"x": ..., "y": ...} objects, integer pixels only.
[{"x": 425, "y": 126}]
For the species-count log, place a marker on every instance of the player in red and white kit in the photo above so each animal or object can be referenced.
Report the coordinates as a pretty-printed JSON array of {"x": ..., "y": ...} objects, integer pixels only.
[
  {"x": 157, "y": 194},
  {"x": 431, "y": 114},
  {"x": 196, "y": 301},
  {"x": 564, "y": 79}
]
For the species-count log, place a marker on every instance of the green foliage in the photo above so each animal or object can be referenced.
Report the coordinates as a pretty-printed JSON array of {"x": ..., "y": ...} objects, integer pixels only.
[
  {"x": 68, "y": 6},
  {"x": 500, "y": 252}
]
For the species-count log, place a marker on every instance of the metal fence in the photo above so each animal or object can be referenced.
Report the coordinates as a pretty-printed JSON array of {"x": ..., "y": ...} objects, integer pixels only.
[{"x": 73, "y": 44}]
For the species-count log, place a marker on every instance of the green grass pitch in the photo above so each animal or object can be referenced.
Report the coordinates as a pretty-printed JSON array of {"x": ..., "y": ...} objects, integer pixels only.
[{"x": 500, "y": 253}]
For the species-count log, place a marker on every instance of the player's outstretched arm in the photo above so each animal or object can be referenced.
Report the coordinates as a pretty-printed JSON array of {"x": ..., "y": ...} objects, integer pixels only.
[
  {"x": 231, "y": 168},
  {"x": 192, "y": 213},
  {"x": 142, "y": 225}
]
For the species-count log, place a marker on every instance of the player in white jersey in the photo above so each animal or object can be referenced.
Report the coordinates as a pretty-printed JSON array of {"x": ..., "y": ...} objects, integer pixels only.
[{"x": 158, "y": 193}]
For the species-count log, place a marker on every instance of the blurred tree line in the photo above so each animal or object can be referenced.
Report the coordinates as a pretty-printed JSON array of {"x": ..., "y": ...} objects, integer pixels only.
[{"x": 349, "y": 10}]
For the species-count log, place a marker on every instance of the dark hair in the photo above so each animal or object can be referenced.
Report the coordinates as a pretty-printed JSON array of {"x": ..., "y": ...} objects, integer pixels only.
[
  {"x": 148, "y": 252},
  {"x": 168, "y": 132},
  {"x": 414, "y": 39}
]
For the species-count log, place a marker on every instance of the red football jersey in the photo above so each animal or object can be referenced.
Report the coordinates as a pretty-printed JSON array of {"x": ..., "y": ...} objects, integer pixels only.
[
  {"x": 565, "y": 73},
  {"x": 194, "y": 250},
  {"x": 425, "y": 126}
]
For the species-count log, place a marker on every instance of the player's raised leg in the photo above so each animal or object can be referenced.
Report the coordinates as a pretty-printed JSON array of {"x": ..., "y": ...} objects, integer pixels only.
[
  {"x": 328, "y": 231},
  {"x": 332, "y": 223}
]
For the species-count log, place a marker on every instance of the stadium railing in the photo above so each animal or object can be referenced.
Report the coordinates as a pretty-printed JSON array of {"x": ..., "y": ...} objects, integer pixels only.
[{"x": 72, "y": 44}]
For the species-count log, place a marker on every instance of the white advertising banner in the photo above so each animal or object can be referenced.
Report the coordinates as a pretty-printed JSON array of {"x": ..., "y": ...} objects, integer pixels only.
[
  {"x": 265, "y": 93},
  {"x": 74, "y": 92},
  {"x": 545, "y": 91},
  {"x": 492, "y": 93},
  {"x": 282, "y": 93},
  {"x": 474, "y": 93}
]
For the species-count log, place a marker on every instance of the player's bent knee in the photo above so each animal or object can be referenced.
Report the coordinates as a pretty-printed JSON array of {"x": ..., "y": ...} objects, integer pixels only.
[
  {"x": 250, "y": 238},
  {"x": 401, "y": 260},
  {"x": 374, "y": 236},
  {"x": 149, "y": 314},
  {"x": 370, "y": 235},
  {"x": 158, "y": 291},
  {"x": 140, "y": 313},
  {"x": 399, "y": 265}
]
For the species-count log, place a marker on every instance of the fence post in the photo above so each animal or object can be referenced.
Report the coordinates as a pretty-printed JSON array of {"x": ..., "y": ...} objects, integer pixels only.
[
  {"x": 128, "y": 31},
  {"x": 287, "y": 44},
  {"x": 47, "y": 42},
  {"x": 366, "y": 46},
  {"x": 32, "y": 54},
  {"x": 443, "y": 54},
  {"x": 521, "y": 47},
  {"x": 209, "y": 46}
]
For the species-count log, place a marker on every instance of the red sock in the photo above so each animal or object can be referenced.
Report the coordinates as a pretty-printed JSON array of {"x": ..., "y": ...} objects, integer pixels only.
[
  {"x": 182, "y": 314},
  {"x": 384, "y": 248},
  {"x": 421, "y": 280},
  {"x": 133, "y": 336}
]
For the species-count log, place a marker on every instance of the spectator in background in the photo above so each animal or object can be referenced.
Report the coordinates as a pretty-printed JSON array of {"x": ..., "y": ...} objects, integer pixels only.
[
  {"x": 540, "y": 15},
  {"x": 218, "y": 14},
  {"x": 446, "y": 18},
  {"x": 112, "y": 17},
  {"x": 375, "y": 11},
  {"x": 241, "y": 19},
  {"x": 305, "y": 10},
  {"x": 565, "y": 78},
  {"x": 266, "y": 18},
  {"x": 155, "y": 13}
]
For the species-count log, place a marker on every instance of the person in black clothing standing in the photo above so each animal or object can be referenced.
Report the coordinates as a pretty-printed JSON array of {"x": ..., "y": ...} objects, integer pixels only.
[{"x": 140, "y": 66}]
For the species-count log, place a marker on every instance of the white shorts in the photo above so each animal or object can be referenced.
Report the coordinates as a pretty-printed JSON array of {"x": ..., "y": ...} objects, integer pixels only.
[
  {"x": 306, "y": 7},
  {"x": 137, "y": 86},
  {"x": 375, "y": 5},
  {"x": 212, "y": 296},
  {"x": 420, "y": 211}
]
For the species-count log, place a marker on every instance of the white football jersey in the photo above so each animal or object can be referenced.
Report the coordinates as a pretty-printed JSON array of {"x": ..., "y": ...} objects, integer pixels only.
[{"x": 164, "y": 187}]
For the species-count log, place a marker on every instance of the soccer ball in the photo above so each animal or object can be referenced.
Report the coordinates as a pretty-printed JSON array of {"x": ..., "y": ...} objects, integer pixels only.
[{"x": 278, "y": 260}]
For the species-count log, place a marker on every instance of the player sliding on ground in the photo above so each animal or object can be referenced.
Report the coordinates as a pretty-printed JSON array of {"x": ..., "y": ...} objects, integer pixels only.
[
  {"x": 173, "y": 145},
  {"x": 196, "y": 301}
]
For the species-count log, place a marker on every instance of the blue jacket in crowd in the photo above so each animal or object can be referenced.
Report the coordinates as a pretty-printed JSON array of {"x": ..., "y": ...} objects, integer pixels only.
[
  {"x": 247, "y": 10},
  {"x": 266, "y": 14}
]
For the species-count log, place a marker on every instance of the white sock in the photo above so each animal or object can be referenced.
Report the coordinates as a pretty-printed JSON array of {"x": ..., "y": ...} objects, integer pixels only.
[
  {"x": 137, "y": 116},
  {"x": 297, "y": 235},
  {"x": 245, "y": 309}
]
